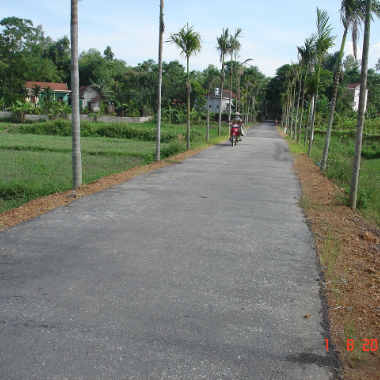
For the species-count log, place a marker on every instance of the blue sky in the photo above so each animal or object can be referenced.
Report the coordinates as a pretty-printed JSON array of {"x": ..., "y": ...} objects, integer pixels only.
[{"x": 272, "y": 29}]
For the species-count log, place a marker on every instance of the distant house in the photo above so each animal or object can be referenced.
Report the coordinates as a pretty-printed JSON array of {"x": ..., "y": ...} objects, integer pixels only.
[
  {"x": 89, "y": 98},
  {"x": 213, "y": 100},
  {"x": 354, "y": 90},
  {"x": 60, "y": 91}
]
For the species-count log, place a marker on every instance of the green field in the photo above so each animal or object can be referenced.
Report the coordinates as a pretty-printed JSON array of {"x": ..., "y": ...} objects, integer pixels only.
[{"x": 36, "y": 165}]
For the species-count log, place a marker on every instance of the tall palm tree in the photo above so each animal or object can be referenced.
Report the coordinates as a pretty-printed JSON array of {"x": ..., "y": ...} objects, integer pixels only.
[
  {"x": 190, "y": 43},
  {"x": 324, "y": 41},
  {"x": 361, "y": 110},
  {"x": 160, "y": 48},
  {"x": 223, "y": 48},
  {"x": 234, "y": 47},
  {"x": 352, "y": 14},
  {"x": 307, "y": 58},
  {"x": 76, "y": 152},
  {"x": 239, "y": 72}
]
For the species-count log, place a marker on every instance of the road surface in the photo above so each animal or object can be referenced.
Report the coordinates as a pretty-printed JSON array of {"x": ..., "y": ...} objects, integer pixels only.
[{"x": 202, "y": 270}]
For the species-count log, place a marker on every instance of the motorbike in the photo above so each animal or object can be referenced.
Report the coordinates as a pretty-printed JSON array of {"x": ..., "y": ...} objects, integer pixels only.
[{"x": 234, "y": 134}]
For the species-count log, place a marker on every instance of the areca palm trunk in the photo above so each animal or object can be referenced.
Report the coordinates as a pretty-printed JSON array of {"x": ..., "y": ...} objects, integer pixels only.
[
  {"x": 298, "y": 107},
  {"x": 221, "y": 99},
  {"x": 302, "y": 109},
  {"x": 312, "y": 112},
  {"x": 188, "y": 87},
  {"x": 361, "y": 110},
  {"x": 333, "y": 103},
  {"x": 160, "y": 48},
  {"x": 76, "y": 152},
  {"x": 230, "y": 99},
  {"x": 208, "y": 118}
]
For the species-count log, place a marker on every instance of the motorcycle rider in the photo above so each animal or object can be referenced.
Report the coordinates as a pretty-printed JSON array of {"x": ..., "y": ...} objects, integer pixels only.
[{"x": 239, "y": 121}]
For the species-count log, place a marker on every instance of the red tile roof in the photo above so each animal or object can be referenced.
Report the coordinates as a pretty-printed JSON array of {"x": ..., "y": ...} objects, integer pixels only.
[
  {"x": 353, "y": 85},
  {"x": 53, "y": 86}
]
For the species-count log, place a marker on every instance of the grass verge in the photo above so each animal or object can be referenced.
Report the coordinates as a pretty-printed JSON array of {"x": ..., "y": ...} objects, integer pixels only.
[{"x": 38, "y": 165}]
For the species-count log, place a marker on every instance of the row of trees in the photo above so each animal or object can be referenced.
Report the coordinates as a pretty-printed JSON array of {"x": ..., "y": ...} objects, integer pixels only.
[
  {"x": 317, "y": 81},
  {"x": 26, "y": 54}
]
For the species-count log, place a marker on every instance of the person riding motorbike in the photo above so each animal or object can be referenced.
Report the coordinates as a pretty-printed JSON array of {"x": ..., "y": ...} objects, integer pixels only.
[{"x": 239, "y": 121}]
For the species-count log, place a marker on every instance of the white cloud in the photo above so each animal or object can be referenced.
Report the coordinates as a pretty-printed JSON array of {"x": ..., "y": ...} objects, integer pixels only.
[{"x": 349, "y": 50}]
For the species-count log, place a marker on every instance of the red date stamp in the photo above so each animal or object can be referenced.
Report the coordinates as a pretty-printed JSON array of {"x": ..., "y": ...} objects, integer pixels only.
[{"x": 367, "y": 345}]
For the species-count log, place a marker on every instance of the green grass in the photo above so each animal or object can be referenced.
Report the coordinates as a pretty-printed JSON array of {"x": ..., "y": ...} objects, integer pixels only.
[
  {"x": 36, "y": 165},
  {"x": 89, "y": 145},
  {"x": 339, "y": 169}
]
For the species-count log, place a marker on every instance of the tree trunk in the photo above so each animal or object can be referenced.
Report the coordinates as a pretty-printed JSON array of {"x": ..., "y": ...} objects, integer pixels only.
[
  {"x": 361, "y": 110},
  {"x": 312, "y": 110},
  {"x": 208, "y": 118},
  {"x": 298, "y": 107},
  {"x": 333, "y": 103},
  {"x": 230, "y": 100},
  {"x": 76, "y": 152},
  {"x": 160, "y": 48},
  {"x": 221, "y": 98},
  {"x": 302, "y": 110},
  {"x": 188, "y": 103}
]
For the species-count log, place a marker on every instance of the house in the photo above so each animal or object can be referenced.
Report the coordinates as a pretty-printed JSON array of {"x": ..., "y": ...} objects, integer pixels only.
[
  {"x": 213, "y": 101},
  {"x": 89, "y": 98},
  {"x": 354, "y": 90},
  {"x": 60, "y": 91}
]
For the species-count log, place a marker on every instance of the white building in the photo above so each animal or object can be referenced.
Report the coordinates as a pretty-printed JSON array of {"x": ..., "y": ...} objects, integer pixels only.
[
  {"x": 213, "y": 100},
  {"x": 89, "y": 98},
  {"x": 354, "y": 89}
]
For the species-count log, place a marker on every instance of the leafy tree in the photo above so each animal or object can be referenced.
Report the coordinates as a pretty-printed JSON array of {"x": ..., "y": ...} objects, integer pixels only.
[
  {"x": 373, "y": 101},
  {"x": 59, "y": 53},
  {"x": 108, "y": 54},
  {"x": 190, "y": 43},
  {"x": 17, "y": 35}
]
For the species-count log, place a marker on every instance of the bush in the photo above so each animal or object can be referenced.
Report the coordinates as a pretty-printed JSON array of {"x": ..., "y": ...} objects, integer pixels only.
[{"x": 95, "y": 129}]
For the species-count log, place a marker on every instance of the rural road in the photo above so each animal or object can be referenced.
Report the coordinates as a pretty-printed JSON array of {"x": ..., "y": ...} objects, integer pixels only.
[{"x": 201, "y": 270}]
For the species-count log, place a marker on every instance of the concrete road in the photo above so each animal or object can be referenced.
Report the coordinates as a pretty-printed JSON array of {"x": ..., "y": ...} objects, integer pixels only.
[{"x": 201, "y": 270}]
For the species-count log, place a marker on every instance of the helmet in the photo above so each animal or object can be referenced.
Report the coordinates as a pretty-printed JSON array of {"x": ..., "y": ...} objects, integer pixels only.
[{"x": 237, "y": 114}]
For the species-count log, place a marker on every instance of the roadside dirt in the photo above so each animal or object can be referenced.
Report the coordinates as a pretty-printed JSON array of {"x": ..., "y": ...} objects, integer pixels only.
[
  {"x": 348, "y": 246},
  {"x": 349, "y": 252}
]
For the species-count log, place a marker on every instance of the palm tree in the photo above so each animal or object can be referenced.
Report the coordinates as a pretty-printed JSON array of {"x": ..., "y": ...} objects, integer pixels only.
[
  {"x": 352, "y": 14},
  {"x": 234, "y": 47},
  {"x": 36, "y": 91},
  {"x": 223, "y": 48},
  {"x": 76, "y": 152},
  {"x": 307, "y": 58},
  {"x": 190, "y": 43},
  {"x": 49, "y": 93},
  {"x": 361, "y": 110},
  {"x": 239, "y": 72},
  {"x": 324, "y": 41},
  {"x": 312, "y": 91},
  {"x": 160, "y": 48}
]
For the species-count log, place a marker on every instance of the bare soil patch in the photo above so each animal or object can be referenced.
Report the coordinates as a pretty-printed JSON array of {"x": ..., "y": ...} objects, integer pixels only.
[{"x": 348, "y": 246}]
